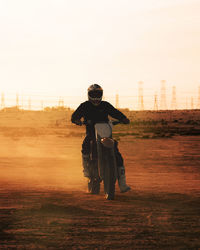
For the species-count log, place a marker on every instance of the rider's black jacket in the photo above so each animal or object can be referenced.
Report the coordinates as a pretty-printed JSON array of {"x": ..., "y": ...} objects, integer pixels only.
[{"x": 95, "y": 114}]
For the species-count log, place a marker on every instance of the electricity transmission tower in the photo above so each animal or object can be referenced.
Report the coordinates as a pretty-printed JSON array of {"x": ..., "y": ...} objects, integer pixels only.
[
  {"x": 192, "y": 103},
  {"x": 163, "y": 103},
  {"x": 17, "y": 100},
  {"x": 140, "y": 96},
  {"x": 174, "y": 103},
  {"x": 61, "y": 102}
]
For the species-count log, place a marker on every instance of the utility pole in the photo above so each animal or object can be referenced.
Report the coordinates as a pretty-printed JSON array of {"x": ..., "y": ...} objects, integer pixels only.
[
  {"x": 155, "y": 102},
  {"x": 163, "y": 103},
  {"x": 2, "y": 101},
  {"x": 117, "y": 101},
  {"x": 174, "y": 103},
  {"x": 29, "y": 103},
  {"x": 22, "y": 101},
  {"x": 186, "y": 103},
  {"x": 140, "y": 96},
  {"x": 42, "y": 105},
  {"x": 198, "y": 102}
]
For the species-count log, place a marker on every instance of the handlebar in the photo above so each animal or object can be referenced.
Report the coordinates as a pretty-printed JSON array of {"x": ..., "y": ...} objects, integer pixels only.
[
  {"x": 116, "y": 122},
  {"x": 91, "y": 123}
]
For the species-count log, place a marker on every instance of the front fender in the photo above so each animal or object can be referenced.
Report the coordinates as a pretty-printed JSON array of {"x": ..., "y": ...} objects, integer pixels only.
[{"x": 108, "y": 142}]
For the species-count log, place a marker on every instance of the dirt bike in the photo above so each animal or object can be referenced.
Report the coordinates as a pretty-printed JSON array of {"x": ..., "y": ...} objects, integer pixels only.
[{"x": 102, "y": 163}]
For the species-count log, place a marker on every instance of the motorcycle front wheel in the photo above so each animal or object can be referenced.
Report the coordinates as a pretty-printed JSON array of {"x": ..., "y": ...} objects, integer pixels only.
[{"x": 109, "y": 175}]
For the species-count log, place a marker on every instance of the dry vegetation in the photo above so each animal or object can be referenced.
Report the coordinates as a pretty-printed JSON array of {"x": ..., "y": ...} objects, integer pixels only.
[{"x": 144, "y": 124}]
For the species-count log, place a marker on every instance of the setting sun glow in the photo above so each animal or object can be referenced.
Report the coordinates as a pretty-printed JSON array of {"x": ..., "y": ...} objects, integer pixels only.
[{"x": 60, "y": 47}]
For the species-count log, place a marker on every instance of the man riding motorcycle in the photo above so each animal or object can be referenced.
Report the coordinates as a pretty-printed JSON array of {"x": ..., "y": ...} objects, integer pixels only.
[{"x": 93, "y": 111}]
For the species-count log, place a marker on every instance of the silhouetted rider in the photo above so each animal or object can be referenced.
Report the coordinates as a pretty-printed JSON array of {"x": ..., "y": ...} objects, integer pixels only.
[{"x": 93, "y": 111}]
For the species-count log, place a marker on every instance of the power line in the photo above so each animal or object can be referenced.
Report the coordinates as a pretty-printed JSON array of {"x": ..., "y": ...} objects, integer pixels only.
[{"x": 29, "y": 102}]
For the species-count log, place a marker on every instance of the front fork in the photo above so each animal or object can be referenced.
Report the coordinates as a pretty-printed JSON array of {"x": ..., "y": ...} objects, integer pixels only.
[
  {"x": 93, "y": 164},
  {"x": 106, "y": 153}
]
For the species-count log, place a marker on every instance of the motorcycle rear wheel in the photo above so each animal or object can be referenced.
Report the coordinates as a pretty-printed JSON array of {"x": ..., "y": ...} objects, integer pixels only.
[{"x": 94, "y": 186}]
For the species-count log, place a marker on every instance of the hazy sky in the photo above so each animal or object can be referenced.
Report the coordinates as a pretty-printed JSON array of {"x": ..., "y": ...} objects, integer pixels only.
[{"x": 59, "y": 47}]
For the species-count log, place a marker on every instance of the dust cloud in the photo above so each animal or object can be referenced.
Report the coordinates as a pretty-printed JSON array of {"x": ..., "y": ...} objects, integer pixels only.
[{"x": 46, "y": 161}]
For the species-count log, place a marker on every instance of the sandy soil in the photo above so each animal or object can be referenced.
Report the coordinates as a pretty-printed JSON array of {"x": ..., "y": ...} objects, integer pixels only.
[{"x": 44, "y": 204}]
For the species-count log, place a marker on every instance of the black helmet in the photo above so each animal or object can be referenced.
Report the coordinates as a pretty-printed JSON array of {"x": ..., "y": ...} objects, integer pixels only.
[{"x": 95, "y": 93}]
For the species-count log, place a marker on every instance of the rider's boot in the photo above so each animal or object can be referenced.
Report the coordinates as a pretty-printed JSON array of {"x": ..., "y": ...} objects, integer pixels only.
[
  {"x": 85, "y": 162},
  {"x": 122, "y": 180}
]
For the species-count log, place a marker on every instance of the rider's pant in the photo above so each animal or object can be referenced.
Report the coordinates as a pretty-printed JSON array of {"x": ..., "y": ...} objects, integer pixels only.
[{"x": 86, "y": 150}]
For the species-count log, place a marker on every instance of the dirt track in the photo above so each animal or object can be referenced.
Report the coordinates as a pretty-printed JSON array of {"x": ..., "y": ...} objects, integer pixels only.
[{"x": 44, "y": 204}]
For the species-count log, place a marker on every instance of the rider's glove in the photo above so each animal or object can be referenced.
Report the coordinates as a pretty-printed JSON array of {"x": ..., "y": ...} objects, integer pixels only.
[
  {"x": 89, "y": 122},
  {"x": 78, "y": 122},
  {"x": 126, "y": 121}
]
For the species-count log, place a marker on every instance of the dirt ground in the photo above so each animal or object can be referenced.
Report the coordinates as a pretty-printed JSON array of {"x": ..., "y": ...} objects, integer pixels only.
[{"x": 44, "y": 204}]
